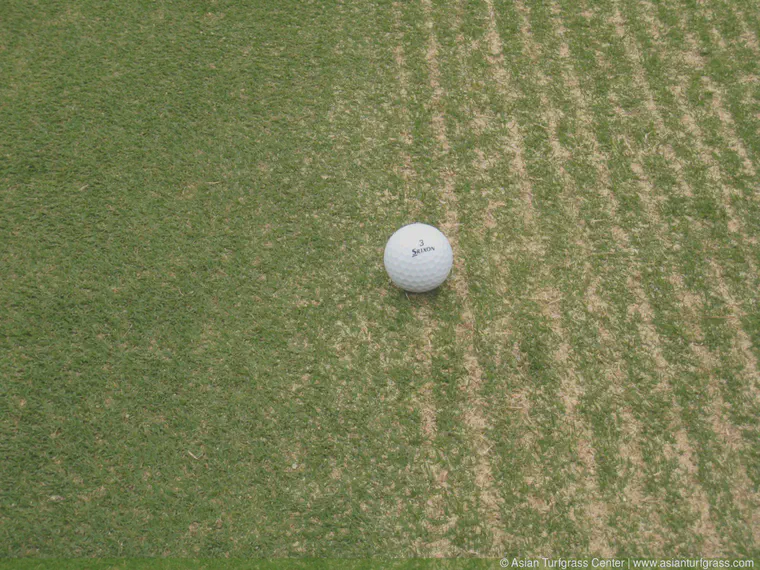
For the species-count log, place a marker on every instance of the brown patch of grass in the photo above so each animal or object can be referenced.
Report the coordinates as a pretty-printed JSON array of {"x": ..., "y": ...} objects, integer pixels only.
[
  {"x": 687, "y": 300},
  {"x": 742, "y": 342},
  {"x": 425, "y": 392},
  {"x": 621, "y": 236},
  {"x": 734, "y": 223},
  {"x": 482, "y": 122},
  {"x": 594, "y": 303},
  {"x": 560, "y": 154},
  {"x": 436, "y": 545},
  {"x": 405, "y": 168},
  {"x": 718, "y": 38},
  {"x": 646, "y": 195},
  {"x": 649, "y": 336},
  {"x": 750, "y": 39},
  {"x": 531, "y": 49},
  {"x": 651, "y": 530},
  {"x": 482, "y": 162},
  {"x": 490, "y": 221},
  {"x": 697, "y": 497},
  {"x": 617, "y": 21},
  {"x": 552, "y": 115},
  {"x": 434, "y": 76}
]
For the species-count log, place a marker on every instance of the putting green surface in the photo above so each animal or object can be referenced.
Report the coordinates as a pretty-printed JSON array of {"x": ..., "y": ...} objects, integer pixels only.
[{"x": 202, "y": 355}]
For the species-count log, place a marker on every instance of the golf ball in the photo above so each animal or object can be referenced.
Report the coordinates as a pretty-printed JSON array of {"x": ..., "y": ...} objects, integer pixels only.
[{"x": 418, "y": 258}]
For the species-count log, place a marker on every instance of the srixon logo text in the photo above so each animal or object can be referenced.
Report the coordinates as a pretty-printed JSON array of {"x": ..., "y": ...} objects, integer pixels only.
[{"x": 417, "y": 251}]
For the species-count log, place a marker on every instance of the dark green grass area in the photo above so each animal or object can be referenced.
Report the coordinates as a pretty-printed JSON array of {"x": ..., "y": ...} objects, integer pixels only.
[{"x": 185, "y": 229}]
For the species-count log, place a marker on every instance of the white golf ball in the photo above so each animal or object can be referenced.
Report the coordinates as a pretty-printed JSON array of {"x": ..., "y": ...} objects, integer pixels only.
[{"x": 418, "y": 258}]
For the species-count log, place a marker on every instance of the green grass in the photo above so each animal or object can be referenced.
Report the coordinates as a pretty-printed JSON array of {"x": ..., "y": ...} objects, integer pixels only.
[{"x": 201, "y": 353}]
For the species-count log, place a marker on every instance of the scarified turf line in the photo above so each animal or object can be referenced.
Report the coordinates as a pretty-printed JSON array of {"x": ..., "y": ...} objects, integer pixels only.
[
  {"x": 691, "y": 58},
  {"x": 699, "y": 501},
  {"x": 515, "y": 144},
  {"x": 741, "y": 343},
  {"x": 647, "y": 331},
  {"x": 749, "y": 36},
  {"x": 728, "y": 57},
  {"x": 474, "y": 125},
  {"x": 727, "y": 130},
  {"x": 686, "y": 453},
  {"x": 473, "y": 418},
  {"x": 361, "y": 339},
  {"x": 613, "y": 370},
  {"x": 596, "y": 513},
  {"x": 745, "y": 499},
  {"x": 539, "y": 500},
  {"x": 714, "y": 168},
  {"x": 523, "y": 464},
  {"x": 690, "y": 302}
]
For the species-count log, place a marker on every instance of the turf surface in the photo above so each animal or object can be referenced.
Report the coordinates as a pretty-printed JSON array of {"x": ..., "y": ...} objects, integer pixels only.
[{"x": 200, "y": 351}]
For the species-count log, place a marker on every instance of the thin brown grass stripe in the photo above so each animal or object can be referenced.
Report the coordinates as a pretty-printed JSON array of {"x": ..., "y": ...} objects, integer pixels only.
[
  {"x": 697, "y": 138},
  {"x": 585, "y": 124},
  {"x": 515, "y": 145},
  {"x": 742, "y": 342},
  {"x": 749, "y": 36},
  {"x": 746, "y": 498},
  {"x": 741, "y": 488}
]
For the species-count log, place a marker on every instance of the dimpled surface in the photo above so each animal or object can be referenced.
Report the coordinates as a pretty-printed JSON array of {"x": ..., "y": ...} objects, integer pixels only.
[{"x": 418, "y": 258}]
